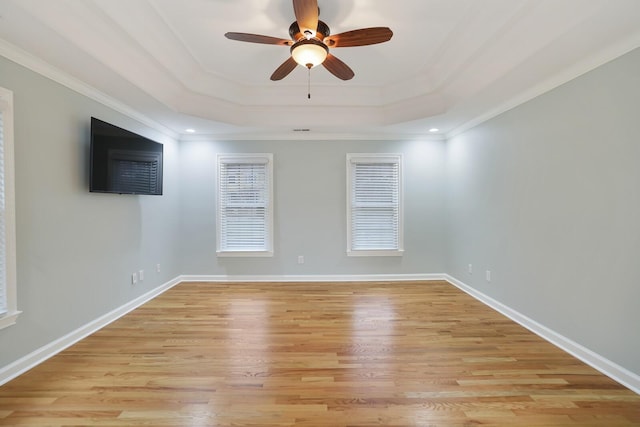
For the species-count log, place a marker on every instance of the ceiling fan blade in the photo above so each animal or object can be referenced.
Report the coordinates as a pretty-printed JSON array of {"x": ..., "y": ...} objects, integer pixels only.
[
  {"x": 338, "y": 68},
  {"x": 256, "y": 38},
  {"x": 306, "y": 12},
  {"x": 283, "y": 70},
  {"x": 361, "y": 37}
]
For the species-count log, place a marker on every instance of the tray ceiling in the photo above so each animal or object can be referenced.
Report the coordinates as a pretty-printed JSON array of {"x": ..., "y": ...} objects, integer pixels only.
[{"x": 449, "y": 64}]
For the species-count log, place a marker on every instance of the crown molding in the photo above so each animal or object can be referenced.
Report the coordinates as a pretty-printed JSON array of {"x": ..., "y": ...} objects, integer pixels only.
[
  {"x": 25, "y": 59},
  {"x": 589, "y": 64}
]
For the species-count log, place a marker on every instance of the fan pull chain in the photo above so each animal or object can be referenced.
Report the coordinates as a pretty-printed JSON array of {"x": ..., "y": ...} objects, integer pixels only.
[{"x": 309, "y": 83}]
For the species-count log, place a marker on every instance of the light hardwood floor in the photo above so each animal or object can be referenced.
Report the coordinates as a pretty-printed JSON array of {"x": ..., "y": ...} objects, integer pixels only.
[{"x": 315, "y": 354}]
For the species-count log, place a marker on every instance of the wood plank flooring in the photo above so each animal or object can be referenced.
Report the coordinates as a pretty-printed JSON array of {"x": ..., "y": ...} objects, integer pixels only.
[{"x": 315, "y": 354}]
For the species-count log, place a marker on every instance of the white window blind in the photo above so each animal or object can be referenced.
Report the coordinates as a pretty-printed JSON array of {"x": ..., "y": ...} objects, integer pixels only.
[
  {"x": 375, "y": 208},
  {"x": 245, "y": 205}
]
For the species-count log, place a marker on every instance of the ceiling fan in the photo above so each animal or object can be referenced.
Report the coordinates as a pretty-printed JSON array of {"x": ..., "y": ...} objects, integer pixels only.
[{"x": 311, "y": 39}]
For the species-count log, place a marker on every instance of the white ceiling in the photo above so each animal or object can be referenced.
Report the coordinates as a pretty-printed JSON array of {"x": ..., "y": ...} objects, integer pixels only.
[{"x": 450, "y": 63}]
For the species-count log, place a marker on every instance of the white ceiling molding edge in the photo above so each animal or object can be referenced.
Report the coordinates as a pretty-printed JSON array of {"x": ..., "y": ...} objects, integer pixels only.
[
  {"x": 576, "y": 70},
  {"x": 19, "y": 56},
  {"x": 25, "y": 59},
  {"x": 312, "y": 136}
]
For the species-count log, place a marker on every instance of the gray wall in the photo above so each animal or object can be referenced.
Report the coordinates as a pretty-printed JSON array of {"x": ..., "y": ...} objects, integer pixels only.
[
  {"x": 76, "y": 250},
  {"x": 310, "y": 208},
  {"x": 547, "y": 196}
]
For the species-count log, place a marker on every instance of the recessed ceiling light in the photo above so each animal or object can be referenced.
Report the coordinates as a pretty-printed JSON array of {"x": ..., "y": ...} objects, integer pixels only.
[
  {"x": 190, "y": 130},
  {"x": 434, "y": 130}
]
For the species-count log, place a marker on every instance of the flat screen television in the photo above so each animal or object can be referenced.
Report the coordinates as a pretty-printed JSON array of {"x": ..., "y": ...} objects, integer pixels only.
[{"x": 123, "y": 162}]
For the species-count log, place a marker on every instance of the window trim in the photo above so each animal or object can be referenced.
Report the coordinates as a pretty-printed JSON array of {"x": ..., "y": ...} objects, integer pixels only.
[
  {"x": 353, "y": 158},
  {"x": 6, "y": 107},
  {"x": 266, "y": 158}
]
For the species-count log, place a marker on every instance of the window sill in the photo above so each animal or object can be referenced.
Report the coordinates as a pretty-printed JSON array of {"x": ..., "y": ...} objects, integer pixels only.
[
  {"x": 376, "y": 253},
  {"x": 245, "y": 254},
  {"x": 9, "y": 319}
]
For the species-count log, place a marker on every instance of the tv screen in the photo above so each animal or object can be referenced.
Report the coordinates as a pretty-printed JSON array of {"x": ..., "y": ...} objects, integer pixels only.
[{"x": 123, "y": 162}]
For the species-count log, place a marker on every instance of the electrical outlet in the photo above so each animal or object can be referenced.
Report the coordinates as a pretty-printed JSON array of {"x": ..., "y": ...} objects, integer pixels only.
[
  {"x": 300, "y": 259},
  {"x": 141, "y": 275},
  {"x": 157, "y": 268},
  {"x": 134, "y": 278},
  {"x": 470, "y": 269},
  {"x": 488, "y": 275}
]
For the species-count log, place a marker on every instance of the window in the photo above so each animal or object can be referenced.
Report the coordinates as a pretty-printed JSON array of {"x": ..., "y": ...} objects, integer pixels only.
[
  {"x": 8, "y": 303},
  {"x": 374, "y": 204},
  {"x": 245, "y": 211}
]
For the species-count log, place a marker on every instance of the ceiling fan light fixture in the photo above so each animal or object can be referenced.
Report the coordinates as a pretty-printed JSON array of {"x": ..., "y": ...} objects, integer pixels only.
[
  {"x": 309, "y": 53},
  {"x": 311, "y": 39}
]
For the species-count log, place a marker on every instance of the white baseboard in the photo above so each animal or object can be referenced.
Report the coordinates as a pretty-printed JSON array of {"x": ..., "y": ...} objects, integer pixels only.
[
  {"x": 602, "y": 364},
  {"x": 314, "y": 278},
  {"x": 607, "y": 367},
  {"x": 11, "y": 371}
]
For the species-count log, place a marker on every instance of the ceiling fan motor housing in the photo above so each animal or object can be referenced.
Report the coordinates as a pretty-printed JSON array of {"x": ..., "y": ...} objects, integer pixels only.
[
  {"x": 321, "y": 32},
  {"x": 310, "y": 46}
]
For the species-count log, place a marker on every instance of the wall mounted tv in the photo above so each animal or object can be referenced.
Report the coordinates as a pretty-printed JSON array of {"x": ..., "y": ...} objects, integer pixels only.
[{"x": 123, "y": 162}]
